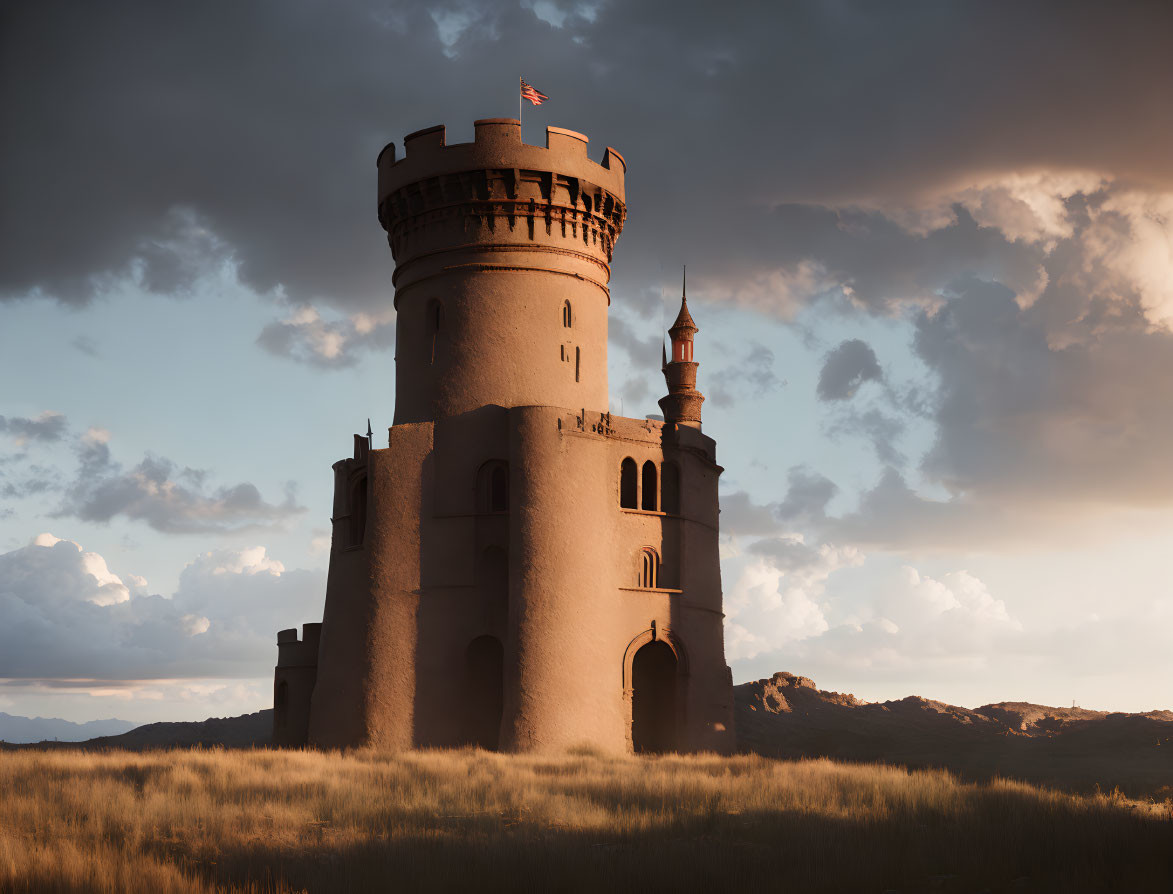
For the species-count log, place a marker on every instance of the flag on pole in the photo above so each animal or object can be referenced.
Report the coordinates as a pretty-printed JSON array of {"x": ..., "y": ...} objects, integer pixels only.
[{"x": 531, "y": 93}]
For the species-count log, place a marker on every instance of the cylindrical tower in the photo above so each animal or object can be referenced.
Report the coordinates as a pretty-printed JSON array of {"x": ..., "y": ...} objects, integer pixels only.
[
  {"x": 682, "y": 403},
  {"x": 542, "y": 222}
]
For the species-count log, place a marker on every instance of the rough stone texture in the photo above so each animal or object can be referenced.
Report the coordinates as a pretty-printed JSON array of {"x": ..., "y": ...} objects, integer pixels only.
[{"x": 494, "y": 516}]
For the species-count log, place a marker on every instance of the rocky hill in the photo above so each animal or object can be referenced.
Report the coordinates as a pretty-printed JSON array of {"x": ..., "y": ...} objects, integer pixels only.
[{"x": 1073, "y": 748}]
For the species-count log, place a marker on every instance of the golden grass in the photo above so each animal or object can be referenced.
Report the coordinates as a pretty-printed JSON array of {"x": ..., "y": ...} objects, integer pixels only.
[{"x": 265, "y": 820}]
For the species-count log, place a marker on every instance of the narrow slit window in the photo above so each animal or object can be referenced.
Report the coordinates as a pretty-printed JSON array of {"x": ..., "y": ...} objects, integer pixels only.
[
  {"x": 567, "y": 317},
  {"x": 435, "y": 325},
  {"x": 577, "y": 363}
]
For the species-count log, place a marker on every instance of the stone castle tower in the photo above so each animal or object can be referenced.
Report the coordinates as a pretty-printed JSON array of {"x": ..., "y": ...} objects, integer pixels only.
[{"x": 518, "y": 568}]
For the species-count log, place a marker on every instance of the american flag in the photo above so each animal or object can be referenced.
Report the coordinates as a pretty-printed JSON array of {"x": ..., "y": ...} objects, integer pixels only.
[{"x": 537, "y": 97}]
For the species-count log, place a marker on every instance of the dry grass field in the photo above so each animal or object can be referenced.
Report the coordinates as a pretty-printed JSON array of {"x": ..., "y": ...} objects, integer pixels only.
[{"x": 179, "y": 821}]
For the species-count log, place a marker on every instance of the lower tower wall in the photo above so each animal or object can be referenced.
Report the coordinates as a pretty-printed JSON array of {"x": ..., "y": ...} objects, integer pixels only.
[
  {"x": 516, "y": 626},
  {"x": 562, "y": 590},
  {"x": 366, "y": 677}
]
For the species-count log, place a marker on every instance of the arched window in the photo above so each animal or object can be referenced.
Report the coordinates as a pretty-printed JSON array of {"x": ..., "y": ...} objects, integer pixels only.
[
  {"x": 358, "y": 511},
  {"x": 649, "y": 484},
  {"x": 629, "y": 484},
  {"x": 493, "y": 487},
  {"x": 435, "y": 321},
  {"x": 484, "y": 692},
  {"x": 567, "y": 317},
  {"x": 649, "y": 568},
  {"x": 670, "y": 488}
]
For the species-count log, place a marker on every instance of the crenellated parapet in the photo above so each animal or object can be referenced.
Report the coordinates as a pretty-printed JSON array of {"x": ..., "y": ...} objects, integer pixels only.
[
  {"x": 502, "y": 269},
  {"x": 500, "y": 199},
  {"x": 294, "y": 652}
]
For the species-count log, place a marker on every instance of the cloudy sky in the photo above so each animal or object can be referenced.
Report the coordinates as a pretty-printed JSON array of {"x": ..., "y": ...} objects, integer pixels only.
[{"x": 930, "y": 250}]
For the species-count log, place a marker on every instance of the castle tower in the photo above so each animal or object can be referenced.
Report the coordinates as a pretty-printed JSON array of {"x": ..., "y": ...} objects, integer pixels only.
[
  {"x": 682, "y": 404},
  {"x": 517, "y": 568}
]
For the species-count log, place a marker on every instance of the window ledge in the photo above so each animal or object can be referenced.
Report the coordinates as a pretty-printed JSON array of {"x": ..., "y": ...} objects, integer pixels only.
[
  {"x": 649, "y": 512},
  {"x": 650, "y": 590}
]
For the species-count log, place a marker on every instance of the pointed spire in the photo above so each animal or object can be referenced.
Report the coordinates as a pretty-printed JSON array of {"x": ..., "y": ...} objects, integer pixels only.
[
  {"x": 684, "y": 318},
  {"x": 682, "y": 403},
  {"x": 663, "y": 356},
  {"x": 370, "y": 434}
]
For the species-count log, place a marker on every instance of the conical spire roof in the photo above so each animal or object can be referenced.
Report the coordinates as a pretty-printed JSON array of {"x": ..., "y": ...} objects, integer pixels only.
[{"x": 684, "y": 321}]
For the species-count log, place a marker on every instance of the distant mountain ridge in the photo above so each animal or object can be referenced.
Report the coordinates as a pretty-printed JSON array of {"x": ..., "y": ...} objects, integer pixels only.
[
  {"x": 246, "y": 731},
  {"x": 17, "y": 729},
  {"x": 787, "y": 716}
]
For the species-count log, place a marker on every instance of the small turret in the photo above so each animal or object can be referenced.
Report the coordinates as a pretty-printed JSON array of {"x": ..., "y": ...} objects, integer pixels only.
[{"x": 682, "y": 404}]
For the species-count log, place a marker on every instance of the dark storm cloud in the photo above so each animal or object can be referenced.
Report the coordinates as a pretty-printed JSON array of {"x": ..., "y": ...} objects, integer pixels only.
[
  {"x": 751, "y": 376},
  {"x": 882, "y": 429},
  {"x": 48, "y": 426},
  {"x": 846, "y": 368},
  {"x": 794, "y": 148},
  {"x": 805, "y": 505},
  {"x": 741, "y": 516},
  {"x": 170, "y": 499},
  {"x": 1021, "y": 415},
  {"x": 160, "y": 139},
  {"x": 645, "y": 352}
]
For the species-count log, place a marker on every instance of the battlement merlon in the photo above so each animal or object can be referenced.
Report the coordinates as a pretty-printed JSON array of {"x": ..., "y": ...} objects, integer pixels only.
[
  {"x": 292, "y": 652},
  {"x": 497, "y": 145}
]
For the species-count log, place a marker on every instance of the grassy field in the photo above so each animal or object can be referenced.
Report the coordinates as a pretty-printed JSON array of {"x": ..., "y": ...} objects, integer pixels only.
[{"x": 466, "y": 820}]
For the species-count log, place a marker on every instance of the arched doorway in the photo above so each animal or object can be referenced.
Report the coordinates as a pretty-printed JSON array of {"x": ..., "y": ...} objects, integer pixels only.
[
  {"x": 653, "y": 698},
  {"x": 484, "y": 685}
]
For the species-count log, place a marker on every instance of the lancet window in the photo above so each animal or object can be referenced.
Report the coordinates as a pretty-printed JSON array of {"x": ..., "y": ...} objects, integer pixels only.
[
  {"x": 649, "y": 569},
  {"x": 629, "y": 484},
  {"x": 649, "y": 487},
  {"x": 493, "y": 487}
]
